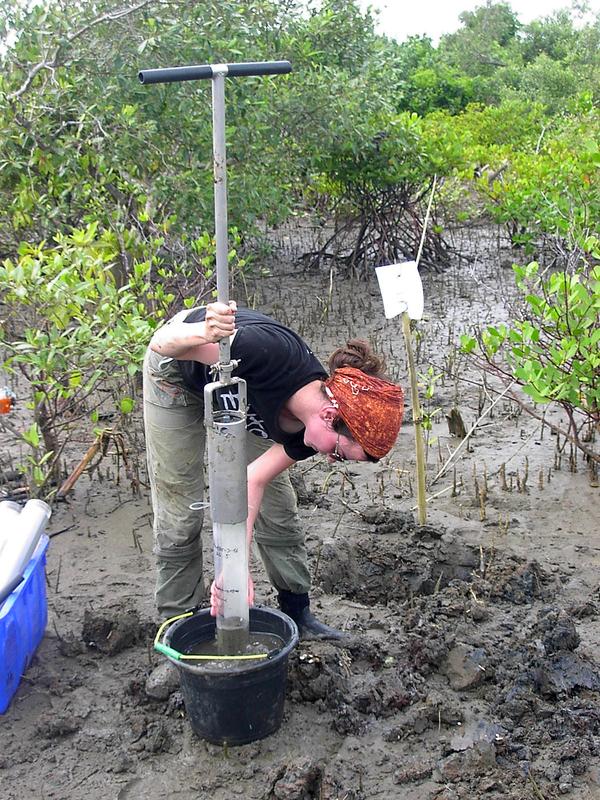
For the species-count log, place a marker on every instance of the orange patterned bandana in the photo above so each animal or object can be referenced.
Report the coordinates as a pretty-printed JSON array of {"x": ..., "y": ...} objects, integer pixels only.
[{"x": 371, "y": 408}]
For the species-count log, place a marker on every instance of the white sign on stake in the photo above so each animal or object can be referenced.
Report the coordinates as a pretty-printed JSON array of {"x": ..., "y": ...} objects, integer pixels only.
[{"x": 401, "y": 289}]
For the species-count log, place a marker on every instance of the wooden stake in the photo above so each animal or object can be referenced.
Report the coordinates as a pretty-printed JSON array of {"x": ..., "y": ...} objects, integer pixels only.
[
  {"x": 416, "y": 406},
  {"x": 417, "y": 420}
]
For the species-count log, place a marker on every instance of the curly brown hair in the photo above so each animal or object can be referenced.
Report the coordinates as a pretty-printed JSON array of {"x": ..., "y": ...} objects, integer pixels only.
[{"x": 359, "y": 354}]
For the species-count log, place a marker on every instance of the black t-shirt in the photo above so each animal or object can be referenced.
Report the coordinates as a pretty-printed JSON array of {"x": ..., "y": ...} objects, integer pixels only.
[{"x": 275, "y": 362}]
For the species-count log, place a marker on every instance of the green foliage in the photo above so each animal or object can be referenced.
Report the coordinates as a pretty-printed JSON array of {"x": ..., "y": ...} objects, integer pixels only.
[
  {"x": 72, "y": 330},
  {"x": 85, "y": 142},
  {"x": 379, "y": 170},
  {"x": 551, "y": 82},
  {"x": 544, "y": 61},
  {"x": 73, "y": 301},
  {"x": 554, "y": 37},
  {"x": 428, "y": 384},
  {"x": 553, "y": 189},
  {"x": 421, "y": 82},
  {"x": 514, "y": 125},
  {"x": 553, "y": 351},
  {"x": 379, "y": 151},
  {"x": 36, "y": 465},
  {"x": 335, "y": 35},
  {"x": 76, "y": 328},
  {"x": 483, "y": 48},
  {"x": 106, "y": 148},
  {"x": 439, "y": 86}
]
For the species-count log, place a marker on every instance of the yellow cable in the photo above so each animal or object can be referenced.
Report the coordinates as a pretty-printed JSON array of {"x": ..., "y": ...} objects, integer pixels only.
[
  {"x": 168, "y": 622},
  {"x": 224, "y": 658},
  {"x": 205, "y": 657}
]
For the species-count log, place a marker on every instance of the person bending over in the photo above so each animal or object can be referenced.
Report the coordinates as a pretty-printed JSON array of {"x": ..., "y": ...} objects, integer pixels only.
[{"x": 295, "y": 410}]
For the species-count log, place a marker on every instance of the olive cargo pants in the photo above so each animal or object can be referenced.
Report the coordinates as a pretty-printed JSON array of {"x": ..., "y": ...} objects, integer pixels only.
[{"x": 175, "y": 444}]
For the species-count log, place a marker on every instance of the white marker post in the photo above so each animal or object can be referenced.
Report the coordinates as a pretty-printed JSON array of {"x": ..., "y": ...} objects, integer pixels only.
[{"x": 402, "y": 293}]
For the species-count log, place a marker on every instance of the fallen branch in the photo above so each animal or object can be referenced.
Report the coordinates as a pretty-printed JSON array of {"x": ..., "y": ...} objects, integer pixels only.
[{"x": 79, "y": 469}]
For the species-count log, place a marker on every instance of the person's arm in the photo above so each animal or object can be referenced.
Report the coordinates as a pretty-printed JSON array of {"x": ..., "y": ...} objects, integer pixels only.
[
  {"x": 196, "y": 341},
  {"x": 266, "y": 467}
]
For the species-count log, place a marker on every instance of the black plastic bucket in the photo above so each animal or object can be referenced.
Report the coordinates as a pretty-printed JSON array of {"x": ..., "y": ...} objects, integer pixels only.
[{"x": 240, "y": 706}]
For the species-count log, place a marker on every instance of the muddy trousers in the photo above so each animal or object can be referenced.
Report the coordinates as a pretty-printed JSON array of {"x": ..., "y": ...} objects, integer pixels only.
[{"x": 175, "y": 445}]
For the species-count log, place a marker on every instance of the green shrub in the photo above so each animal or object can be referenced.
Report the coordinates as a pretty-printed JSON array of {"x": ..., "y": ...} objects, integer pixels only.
[
  {"x": 76, "y": 336},
  {"x": 552, "y": 347}
]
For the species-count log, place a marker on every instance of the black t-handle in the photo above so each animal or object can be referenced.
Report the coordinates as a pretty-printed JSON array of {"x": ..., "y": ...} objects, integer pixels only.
[{"x": 203, "y": 71}]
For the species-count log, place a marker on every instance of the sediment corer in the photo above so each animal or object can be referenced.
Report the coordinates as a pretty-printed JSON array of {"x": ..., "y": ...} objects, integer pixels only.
[
  {"x": 217, "y": 74},
  {"x": 20, "y": 532},
  {"x": 225, "y": 419},
  {"x": 225, "y": 399}
]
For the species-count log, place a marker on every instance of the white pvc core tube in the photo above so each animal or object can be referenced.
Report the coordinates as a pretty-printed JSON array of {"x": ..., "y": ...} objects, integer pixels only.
[
  {"x": 19, "y": 538},
  {"x": 231, "y": 571}
]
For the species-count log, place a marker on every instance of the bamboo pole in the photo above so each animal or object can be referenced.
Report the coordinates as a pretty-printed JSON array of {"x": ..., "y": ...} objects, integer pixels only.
[
  {"x": 414, "y": 389},
  {"x": 417, "y": 421}
]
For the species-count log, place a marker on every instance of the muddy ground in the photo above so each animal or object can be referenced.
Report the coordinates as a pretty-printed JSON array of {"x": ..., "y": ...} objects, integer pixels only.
[{"x": 473, "y": 666}]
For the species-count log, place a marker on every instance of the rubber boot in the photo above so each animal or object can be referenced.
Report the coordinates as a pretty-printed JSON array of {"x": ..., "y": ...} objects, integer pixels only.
[{"x": 297, "y": 606}]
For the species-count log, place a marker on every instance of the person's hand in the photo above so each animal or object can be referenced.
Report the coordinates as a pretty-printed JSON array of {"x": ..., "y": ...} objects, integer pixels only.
[
  {"x": 216, "y": 595},
  {"x": 219, "y": 321}
]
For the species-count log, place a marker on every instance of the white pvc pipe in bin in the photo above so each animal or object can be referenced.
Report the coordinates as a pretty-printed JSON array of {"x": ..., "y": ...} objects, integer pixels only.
[{"x": 20, "y": 533}]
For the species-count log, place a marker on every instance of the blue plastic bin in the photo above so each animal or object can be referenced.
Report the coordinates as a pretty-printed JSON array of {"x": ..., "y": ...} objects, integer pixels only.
[{"x": 23, "y": 617}]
